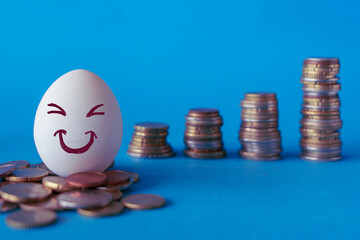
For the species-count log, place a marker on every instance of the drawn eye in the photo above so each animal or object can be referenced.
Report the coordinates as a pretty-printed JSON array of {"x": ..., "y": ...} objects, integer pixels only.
[
  {"x": 59, "y": 111},
  {"x": 92, "y": 111}
]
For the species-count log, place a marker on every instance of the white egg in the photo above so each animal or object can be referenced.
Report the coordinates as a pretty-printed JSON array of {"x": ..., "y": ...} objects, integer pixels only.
[{"x": 78, "y": 124}]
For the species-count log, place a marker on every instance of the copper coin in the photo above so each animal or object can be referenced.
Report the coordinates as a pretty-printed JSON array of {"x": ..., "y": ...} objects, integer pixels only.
[
  {"x": 19, "y": 164},
  {"x": 143, "y": 201},
  {"x": 260, "y": 96},
  {"x": 117, "y": 194},
  {"x": 151, "y": 127},
  {"x": 121, "y": 186},
  {"x": 7, "y": 206},
  {"x": 135, "y": 177},
  {"x": 147, "y": 135},
  {"x": 30, "y": 219},
  {"x": 205, "y": 155},
  {"x": 50, "y": 204},
  {"x": 86, "y": 179},
  {"x": 113, "y": 209},
  {"x": 27, "y": 175},
  {"x": 151, "y": 155},
  {"x": 7, "y": 169},
  {"x": 24, "y": 192},
  {"x": 117, "y": 177},
  {"x": 248, "y": 156},
  {"x": 58, "y": 184},
  {"x": 84, "y": 199},
  {"x": 203, "y": 112}
]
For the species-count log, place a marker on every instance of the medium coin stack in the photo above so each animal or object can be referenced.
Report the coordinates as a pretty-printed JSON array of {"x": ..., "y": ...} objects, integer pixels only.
[
  {"x": 149, "y": 141},
  {"x": 259, "y": 135},
  {"x": 320, "y": 124},
  {"x": 203, "y": 138},
  {"x": 40, "y": 196}
]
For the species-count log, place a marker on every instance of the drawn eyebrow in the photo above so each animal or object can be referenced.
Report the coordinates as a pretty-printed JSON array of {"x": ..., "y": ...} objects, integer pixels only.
[
  {"x": 60, "y": 111},
  {"x": 92, "y": 111}
]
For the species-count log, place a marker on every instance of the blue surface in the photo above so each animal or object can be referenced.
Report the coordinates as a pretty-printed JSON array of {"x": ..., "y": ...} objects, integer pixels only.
[{"x": 163, "y": 57}]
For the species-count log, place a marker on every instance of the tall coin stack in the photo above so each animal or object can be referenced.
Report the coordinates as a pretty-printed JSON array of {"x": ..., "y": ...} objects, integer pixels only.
[
  {"x": 259, "y": 135},
  {"x": 320, "y": 124},
  {"x": 203, "y": 138},
  {"x": 149, "y": 141}
]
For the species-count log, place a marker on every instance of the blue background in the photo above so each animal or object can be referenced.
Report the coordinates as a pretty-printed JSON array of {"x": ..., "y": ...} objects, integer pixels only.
[{"x": 162, "y": 58}]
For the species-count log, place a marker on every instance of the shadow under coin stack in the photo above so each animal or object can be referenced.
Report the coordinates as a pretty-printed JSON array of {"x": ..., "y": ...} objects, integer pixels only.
[
  {"x": 203, "y": 138},
  {"x": 259, "y": 135},
  {"x": 320, "y": 124},
  {"x": 149, "y": 141}
]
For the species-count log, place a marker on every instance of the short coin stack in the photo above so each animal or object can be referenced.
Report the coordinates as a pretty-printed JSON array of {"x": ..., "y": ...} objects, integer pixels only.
[
  {"x": 203, "y": 138},
  {"x": 320, "y": 124},
  {"x": 259, "y": 134},
  {"x": 149, "y": 141},
  {"x": 40, "y": 196}
]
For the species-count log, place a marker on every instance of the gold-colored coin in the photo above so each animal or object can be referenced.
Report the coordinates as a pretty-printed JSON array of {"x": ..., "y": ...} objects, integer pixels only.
[
  {"x": 113, "y": 209},
  {"x": 143, "y": 201},
  {"x": 24, "y": 192},
  {"x": 30, "y": 219},
  {"x": 58, "y": 184},
  {"x": 27, "y": 175}
]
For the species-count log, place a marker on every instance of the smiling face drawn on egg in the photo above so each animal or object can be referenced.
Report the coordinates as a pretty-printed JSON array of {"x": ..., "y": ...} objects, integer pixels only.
[
  {"x": 62, "y": 132},
  {"x": 78, "y": 124}
]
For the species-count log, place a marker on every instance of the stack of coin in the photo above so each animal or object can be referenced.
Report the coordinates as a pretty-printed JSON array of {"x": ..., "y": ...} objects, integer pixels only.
[
  {"x": 149, "y": 141},
  {"x": 203, "y": 138},
  {"x": 91, "y": 194},
  {"x": 259, "y": 135},
  {"x": 320, "y": 124}
]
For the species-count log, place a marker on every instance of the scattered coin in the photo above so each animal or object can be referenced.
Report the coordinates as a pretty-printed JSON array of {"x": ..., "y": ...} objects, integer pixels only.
[
  {"x": 321, "y": 122},
  {"x": 7, "y": 206},
  {"x": 115, "y": 177},
  {"x": 143, "y": 201},
  {"x": 259, "y": 136},
  {"x": 49, "y": 203},
  {"x": 113, "y": 209},
  {"x": 203, "y": 137},
  {"x": 27, "y": 175},
  {"x": 84, "y": 199},
  {"x": 58, "y": 184},
  {"x": 19, "y": 163},
  {"x": 149, "y": 141},
  {"x": 117, "y": 194},
  {"x": 31, "y": 219},
  {"x": 86, "y": 179},
  {"x": 7, "y": 169},
  {"x": 24, "y": 192}
]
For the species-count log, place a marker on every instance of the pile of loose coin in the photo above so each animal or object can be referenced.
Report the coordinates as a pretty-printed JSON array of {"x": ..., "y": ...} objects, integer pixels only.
[
  {"x": 203, "y": 138},
  {"x": 149, "y": 141},
  {"x": 40, "y": 194},
  {"x": 259, "y": 135},
  {"x": 321, "y": 122}
]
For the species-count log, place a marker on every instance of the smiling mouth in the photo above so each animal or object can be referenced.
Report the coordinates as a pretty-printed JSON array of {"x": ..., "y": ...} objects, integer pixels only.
[{"x": 67, "y": 149}]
